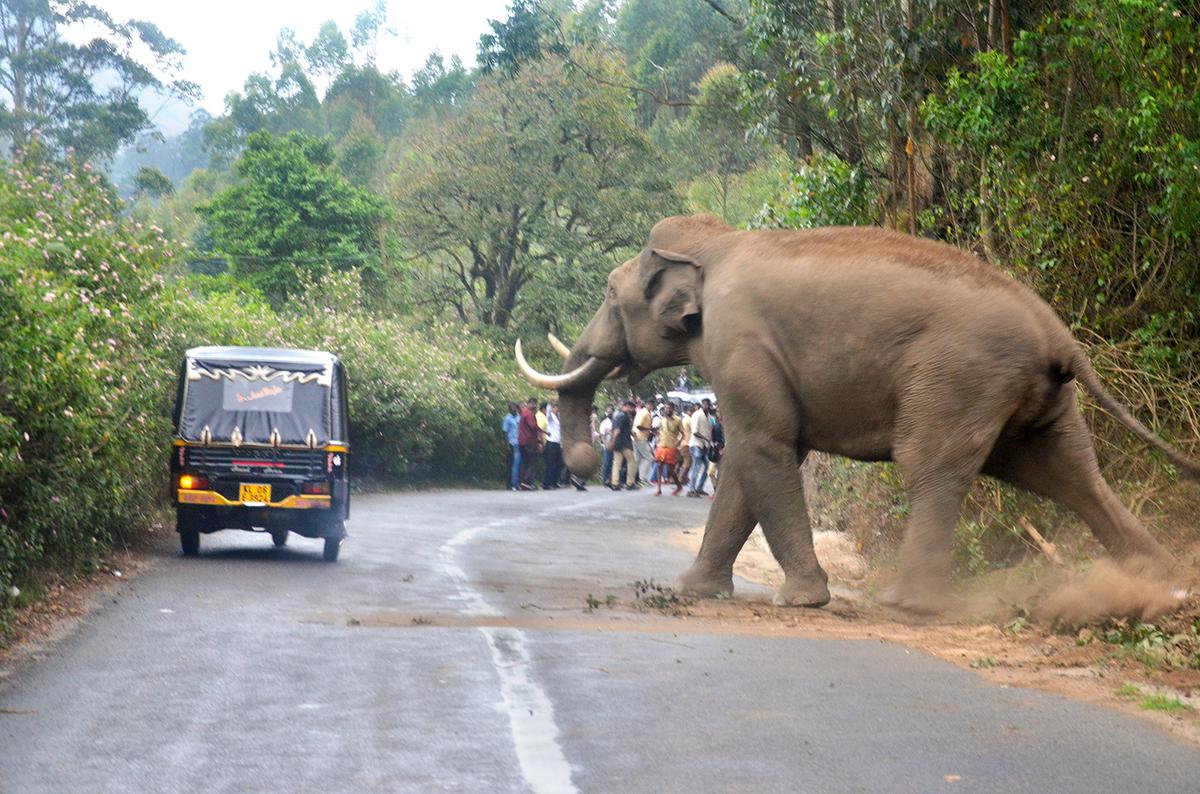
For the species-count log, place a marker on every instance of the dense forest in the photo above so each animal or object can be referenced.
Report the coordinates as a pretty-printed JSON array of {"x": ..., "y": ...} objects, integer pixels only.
[{"x": 418, "y": 224}]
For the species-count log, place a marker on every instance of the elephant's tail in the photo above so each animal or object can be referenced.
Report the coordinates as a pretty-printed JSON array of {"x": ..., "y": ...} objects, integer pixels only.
[{"x": 1082, "y": 369}]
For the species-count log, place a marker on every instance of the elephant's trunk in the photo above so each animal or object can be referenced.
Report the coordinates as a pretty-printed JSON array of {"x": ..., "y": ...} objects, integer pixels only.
[{"x": 575, "y": 417}]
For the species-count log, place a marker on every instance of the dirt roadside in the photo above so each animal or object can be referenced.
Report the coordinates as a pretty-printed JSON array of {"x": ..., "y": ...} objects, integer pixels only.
[{"x": 995, "y": 636}]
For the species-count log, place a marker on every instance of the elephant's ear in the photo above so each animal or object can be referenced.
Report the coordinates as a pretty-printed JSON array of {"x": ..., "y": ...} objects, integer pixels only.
[{"x": 671, "y": 285}]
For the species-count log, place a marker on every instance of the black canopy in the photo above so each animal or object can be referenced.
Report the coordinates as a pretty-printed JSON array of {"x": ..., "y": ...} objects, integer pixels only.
[{"x": 257, "y": 395}]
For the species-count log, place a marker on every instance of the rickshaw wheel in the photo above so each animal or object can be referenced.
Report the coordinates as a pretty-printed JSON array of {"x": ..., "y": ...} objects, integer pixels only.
[
  {"x": 332, "y": 547},
  {"x": 189, "y": 541},
  {"x": 279, "y": 537},
  {"x": 189, "y": 535}
]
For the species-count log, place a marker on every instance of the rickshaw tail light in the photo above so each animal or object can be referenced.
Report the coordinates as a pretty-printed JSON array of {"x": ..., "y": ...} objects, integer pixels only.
[
  {"x": 190, "y": 482},
  {"x": 317, "y": 488}
]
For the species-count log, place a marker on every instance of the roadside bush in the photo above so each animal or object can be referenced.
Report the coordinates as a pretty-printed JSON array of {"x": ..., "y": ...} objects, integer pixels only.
[
  {"x": 424, "y": 404},
  {"x": 80, "y": 366}
]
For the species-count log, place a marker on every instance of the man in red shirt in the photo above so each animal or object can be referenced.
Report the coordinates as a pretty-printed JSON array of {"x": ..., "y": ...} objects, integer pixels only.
[{"x": 529, "y": 435}]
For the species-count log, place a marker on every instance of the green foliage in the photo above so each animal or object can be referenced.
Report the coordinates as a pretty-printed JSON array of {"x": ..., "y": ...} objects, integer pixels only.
[
  {"x": 742, "y": 199},
  {"x": 524, "y": 201},
  {"x": 150, "y": 181},
  {"x": 527, "y": 35},
  {"x": 82, "y": 405},
  {"x": 1076, "y": 158},
  {"x": 176, "y": 157},
  {"x": 1153, "y": 646},
  {"x": 424, "y": 403},
  {"x": 715, "y": 145},
  {"x": 670, "y": 45},
  {"x": 291, "y": 212},
  {"x": 823, "y": 192},
  {"x": 1154, "y": 701}
]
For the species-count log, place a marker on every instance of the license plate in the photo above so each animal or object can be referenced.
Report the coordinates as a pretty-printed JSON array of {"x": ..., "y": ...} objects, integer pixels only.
[{"x": 252, "y": 492}]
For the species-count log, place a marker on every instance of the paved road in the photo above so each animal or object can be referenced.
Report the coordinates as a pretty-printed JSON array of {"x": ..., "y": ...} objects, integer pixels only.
[{"x": 448, "y": 651}]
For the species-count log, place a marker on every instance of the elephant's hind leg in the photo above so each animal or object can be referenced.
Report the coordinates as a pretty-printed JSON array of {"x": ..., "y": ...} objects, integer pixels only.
[
  {"x": 939, "y": 459},
  {"x": 730, "y": 522},
  {"x": 1059, "y": 461}
]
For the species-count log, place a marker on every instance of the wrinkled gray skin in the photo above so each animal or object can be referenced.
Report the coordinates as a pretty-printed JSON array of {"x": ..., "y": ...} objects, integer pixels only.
[{"x": 864, "y": 343}]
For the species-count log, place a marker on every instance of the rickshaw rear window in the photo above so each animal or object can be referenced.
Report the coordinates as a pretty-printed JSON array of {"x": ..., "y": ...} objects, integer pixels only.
[{"x": 256, "y": 395}]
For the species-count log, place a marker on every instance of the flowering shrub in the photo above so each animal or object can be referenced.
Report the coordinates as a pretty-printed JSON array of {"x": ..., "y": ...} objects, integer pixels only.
[{"x": 81, "y": 365}]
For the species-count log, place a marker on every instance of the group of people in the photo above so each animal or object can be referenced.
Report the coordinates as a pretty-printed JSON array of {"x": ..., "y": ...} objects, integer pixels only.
[
  {"x": 656, "y": 442},
  {"x": 534, "y": 437},
  {"x": 642, "y": 443}
]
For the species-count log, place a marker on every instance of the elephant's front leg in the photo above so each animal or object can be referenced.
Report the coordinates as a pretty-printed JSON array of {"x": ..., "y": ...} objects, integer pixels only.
[
  {"x": 767, "y": 469},
  {"x": 730, "y": 522}
]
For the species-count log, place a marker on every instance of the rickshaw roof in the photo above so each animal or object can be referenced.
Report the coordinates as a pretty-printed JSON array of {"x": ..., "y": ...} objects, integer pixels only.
[{"x": 248, "y": 356}]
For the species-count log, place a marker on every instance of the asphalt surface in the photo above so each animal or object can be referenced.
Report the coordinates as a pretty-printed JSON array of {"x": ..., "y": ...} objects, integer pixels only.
[{"x": 449, "y": 650}]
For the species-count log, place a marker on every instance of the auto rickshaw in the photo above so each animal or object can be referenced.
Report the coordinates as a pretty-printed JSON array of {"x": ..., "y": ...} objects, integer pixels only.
[{"x": 261, "y": 444}]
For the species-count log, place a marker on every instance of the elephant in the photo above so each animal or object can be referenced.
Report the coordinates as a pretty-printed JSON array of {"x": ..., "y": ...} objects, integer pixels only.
[{"x": 860, "y": 342}]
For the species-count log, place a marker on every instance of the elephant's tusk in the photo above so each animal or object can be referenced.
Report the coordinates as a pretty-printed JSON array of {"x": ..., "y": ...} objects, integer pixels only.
[
  {"x": 558, "y": 346},
  {"x": 588, "y": 371},
  {"x": 615, "y": 372}
]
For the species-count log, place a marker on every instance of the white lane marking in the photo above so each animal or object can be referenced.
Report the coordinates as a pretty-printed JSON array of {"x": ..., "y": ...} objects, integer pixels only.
[{"x": 530, "y": 711}]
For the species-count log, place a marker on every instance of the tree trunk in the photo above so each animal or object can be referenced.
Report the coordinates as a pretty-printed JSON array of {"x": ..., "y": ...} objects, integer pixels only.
[
  {"x": 995, "y": 25},
  {"x": 847, "y": 128},
  {"x": 987, "y": 232},
  {"x": 20, "y": 88},
  {"x": 910, "y": 149}
]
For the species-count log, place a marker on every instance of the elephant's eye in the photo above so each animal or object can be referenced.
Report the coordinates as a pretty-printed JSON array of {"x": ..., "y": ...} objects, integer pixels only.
[{"x": 612, "y": 293}]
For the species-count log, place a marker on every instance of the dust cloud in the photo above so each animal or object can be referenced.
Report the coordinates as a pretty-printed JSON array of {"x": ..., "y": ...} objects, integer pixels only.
[{"x": 1134, "y": 588}]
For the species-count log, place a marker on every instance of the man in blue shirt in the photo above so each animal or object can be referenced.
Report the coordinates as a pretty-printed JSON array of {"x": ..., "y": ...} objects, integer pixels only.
[{"x": 512, "y": 421}]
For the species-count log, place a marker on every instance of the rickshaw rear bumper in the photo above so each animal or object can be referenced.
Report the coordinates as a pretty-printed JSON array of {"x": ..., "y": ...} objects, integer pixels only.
[{"x": 323, "y": 519}]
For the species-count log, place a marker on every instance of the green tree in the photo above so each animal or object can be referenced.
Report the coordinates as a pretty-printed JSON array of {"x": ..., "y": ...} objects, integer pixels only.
[
  {"x": 438, "y": 89},
  {"x": 529, "y": 33},
  {"x": 79, "y": 96},
  {"x": 329, "y": 51},
  {"x": 291, "y": 215},
  {"x": 727, "y": 144},
  {"x": 670, "y": 45},
  {"x": 149, "y": 181},
  {"x": 360, "y": 153},
  {"x": 524, "y": 201},
  {"x": 287, "y": 102},
  {"x": 363, "y": 90}
]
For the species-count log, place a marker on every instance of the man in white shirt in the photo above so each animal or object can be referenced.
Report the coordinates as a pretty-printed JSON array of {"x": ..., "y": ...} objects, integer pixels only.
[
  {"x": 553, "y": 452},
  {"x": 700, "y": 442},
  {"x": 606, "y": 443}
]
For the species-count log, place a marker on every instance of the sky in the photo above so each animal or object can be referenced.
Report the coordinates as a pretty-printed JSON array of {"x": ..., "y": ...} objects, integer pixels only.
[{"x": 227, "y": 40}]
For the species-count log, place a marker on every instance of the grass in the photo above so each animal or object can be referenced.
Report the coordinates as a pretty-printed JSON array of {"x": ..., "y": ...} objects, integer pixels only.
[
  {"x": 1129, "y": 690},
  {"x": 1155, "y": 701}
]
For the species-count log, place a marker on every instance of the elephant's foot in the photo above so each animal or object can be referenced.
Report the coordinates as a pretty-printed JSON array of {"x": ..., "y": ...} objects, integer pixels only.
[
  {"x": 703, "y": 583},
  {"x": 919, "y": 599},
  {"x": 802, "y": 591}
]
